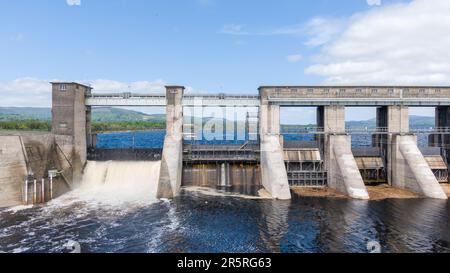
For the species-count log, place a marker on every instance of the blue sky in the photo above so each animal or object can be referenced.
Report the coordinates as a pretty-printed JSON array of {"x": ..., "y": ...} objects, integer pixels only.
[{"x": 229, "y": 46}]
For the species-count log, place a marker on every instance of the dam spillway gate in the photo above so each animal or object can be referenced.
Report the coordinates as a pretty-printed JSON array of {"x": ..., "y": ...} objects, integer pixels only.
[{"x": 400, "y": 162}]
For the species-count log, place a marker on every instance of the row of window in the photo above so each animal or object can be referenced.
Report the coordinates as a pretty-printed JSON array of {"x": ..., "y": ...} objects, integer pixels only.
[{"x": 360, "y": 90}]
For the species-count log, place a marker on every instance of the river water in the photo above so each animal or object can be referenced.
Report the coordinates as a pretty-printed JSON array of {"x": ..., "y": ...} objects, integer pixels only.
[
  {"x": 194, "y": 222},
  {"x": 116, "y": 211}
]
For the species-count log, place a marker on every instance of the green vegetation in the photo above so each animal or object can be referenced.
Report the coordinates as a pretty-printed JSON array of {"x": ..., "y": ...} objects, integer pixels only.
[
  {"x": 45, "y": 125},
  {"x": 103, "y": 119},
  {"x": 126, "y": 126},
  {"x": 26, "y": 124}
]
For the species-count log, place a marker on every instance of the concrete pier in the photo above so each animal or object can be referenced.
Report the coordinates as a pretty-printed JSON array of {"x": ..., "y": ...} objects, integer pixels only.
[
  {"x": 406, "y": 166},
  {"x": 410, "y": 170},
  {"x": 71, "y": 117},
  {"x": 342, "y": 170},
  {"x": 393, "y": 120},
  {"x": 273, "y": 171},
  {"x": 32, "y": 156},
  {"x": 172, "y": 158}
]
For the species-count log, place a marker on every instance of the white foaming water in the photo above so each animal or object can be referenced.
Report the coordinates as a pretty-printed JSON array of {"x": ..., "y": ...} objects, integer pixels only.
[
  {"x": 109, "y": 191},
  {"x": 118, "y": 182}
]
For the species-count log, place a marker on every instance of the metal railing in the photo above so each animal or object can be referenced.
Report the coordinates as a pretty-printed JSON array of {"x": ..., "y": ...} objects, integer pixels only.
[
  {"x": 129, "y": 95},
  {"x": 366, "y": 130},
  {"x": 221, "y": 153}
]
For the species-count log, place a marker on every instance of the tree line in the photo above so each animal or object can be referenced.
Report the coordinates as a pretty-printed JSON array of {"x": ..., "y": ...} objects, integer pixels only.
[{"x": 46, "y": 125}]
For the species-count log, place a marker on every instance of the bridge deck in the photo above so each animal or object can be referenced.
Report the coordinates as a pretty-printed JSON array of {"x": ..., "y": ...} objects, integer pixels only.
[
  {"x": 132, "y": 99},
  {"x": 293, "y": 96}
]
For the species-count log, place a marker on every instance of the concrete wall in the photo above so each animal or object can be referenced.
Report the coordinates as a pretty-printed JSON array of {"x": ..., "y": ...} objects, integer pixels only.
[
  {"x": 331, "y": 118},
  {"x": 343, "y": 172},
  {"x": 273, "y": 171},
  {"x": 32, "y": 154},
  {"x": 71, "y": 117},
  {"x": 13, "y": 169},
  {"x": 270, "y": 119},
  {"x": 172, "y": 158},
  {"x": 410, "y": 170},
  {"x": 394, "y": 120}
]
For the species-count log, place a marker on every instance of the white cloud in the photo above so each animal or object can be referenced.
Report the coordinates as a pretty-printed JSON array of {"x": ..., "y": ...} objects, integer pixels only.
[
  {"x": 322, "y": 30},
  {"x": 295, "y": 58},
  {"x": 395, "y": 44},
  {"x": 374, "y": 2},
  {"x": 25, "y": 92},
  {"x": 233, "y": 29},
  {"x": 33, "y": 92},
  {"x": 73, "y": 2},
  {"x": 318, "y": 30}
]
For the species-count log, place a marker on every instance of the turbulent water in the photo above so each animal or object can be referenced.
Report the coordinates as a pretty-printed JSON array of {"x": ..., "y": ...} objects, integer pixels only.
[
  {"x": 116, "y": 211},
  {"x": 114, "y": 183}
]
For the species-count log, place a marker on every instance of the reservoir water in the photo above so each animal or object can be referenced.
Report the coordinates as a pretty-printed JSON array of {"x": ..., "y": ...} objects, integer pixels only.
[{"x": 116, "y": 211}]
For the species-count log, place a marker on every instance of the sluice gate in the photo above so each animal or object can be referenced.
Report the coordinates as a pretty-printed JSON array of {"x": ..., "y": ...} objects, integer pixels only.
[
  {"x": 304, "y": 164},
  {"x": 231, "y": 167}
]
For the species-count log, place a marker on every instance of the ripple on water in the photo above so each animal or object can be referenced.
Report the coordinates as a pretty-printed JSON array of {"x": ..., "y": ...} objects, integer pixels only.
[{"x": 201, "y": 223}]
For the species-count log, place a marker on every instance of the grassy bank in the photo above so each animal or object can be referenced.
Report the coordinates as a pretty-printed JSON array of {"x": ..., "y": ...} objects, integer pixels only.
[
  {"x": 46, "y": 125},
  {"x": 26, "y": 125}
]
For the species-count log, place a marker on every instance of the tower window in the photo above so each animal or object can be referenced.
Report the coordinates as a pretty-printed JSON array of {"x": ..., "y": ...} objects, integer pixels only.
[
  {"x": 63, "y": 87},
  {"x": 63, "y": 125}
]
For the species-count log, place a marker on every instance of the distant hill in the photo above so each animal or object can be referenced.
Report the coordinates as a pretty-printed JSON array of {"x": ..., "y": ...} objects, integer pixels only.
[
  {"x": 415, "y": 122},
  {"x": 111, "y": 114},
  {"x": 16, "y": 113},
  {"x": 106, "y": 114},
  {"x": 118, "y": 114},
  {"x": 421, "y": 122}
]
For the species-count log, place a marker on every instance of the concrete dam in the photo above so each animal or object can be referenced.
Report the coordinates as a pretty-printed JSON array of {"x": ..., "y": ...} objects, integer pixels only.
[{"x": 35, "y": 168}]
